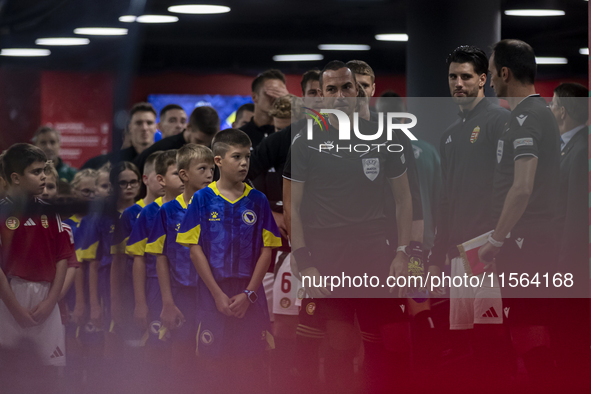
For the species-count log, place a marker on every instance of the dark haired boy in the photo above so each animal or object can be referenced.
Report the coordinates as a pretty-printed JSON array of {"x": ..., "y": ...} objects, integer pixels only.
[
  {"x": 230, "y": 231},
  {"x": 35, "y": 250}
]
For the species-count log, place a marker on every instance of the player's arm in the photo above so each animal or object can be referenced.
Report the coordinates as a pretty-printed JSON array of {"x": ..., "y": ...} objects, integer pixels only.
[
  {"x": 239, "y": 303},
  {"x": 402, "y": 197},
  {"x": 80, "y": 304},
  {"x": 96, "y": 312},
  {"x": 140, "y": 312},
  {"x": 292, "y": 201},
  {"x": 222, "y": 301},
  {"x": 20, "y": 313},
  {"x": 171, "y": 315},
  {"x": 514, "y": 206},
  {"x": 68, "y": 281},
  {"x": 117, "y": 275},
  {"x": 42, "y": 310}
]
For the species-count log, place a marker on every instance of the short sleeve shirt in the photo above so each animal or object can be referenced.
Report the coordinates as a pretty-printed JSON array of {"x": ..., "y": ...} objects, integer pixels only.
[
  {"x": 531, "y": 131},
  {"x": 345, "y": 179},
  {"x": 231, "y": 233}
]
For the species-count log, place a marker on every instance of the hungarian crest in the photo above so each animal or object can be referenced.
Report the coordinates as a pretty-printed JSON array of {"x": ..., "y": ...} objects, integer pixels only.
[
  {"x": 475, "y": 133},
  {"x": 371, "y": 168}
]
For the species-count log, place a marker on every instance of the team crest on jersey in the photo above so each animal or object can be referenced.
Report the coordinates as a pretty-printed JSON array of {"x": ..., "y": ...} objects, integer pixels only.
[
  {"x": 249, "y": 217},
  {"x": 500, "y": 150},
  {"x": 44, "y": 221},
  {"x": 12, "y": 223},
  {"x": 301, "y": 293},
  {"x": 155, "y": 327},
  {"x": 475, "y": 133},
  {"x": 206, "y": 337},
  {"x": 285, "y": 302},
  {"x": 371, "y": 168},
  {"x": 311, "y": 308},
  {"x": 214, "y": 217}
]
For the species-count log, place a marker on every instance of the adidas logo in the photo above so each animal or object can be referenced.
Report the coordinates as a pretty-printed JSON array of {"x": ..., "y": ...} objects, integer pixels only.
[
  {"x": 521, "y": 119},
  {"x": 57, "y": 353},
  {"x": 448, "y": 140},
  {"x": 30, "y": 222},
  {"x": 490, "y": 313}
]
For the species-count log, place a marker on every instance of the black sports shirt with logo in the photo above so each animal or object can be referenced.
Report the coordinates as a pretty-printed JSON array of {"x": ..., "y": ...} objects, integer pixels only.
[
  {"x": 343, "y": 189},
  {"x": 468, "y": 160},
  {"x": 531, "y": 131}
]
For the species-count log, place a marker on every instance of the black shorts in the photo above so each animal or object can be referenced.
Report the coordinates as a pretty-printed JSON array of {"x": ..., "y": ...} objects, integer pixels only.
[{"x": 371, "y": 312}]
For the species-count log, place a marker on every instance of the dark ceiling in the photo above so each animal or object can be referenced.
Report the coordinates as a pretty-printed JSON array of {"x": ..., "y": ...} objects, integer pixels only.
[{"x": 245, "y": 39}]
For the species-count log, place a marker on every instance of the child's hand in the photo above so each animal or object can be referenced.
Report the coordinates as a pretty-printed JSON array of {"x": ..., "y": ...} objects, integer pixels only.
[
  {"x": 222, "y": 302},
  {"x": 78, "y": 314},
  {"x": 96, "y": 315},
  {"x": 23, "y": 317},
  {"x": 239, "y": 305},
  {"x": 171, "y": 316},
  {"x": 41, "y": 312},
  {"x": 140, "y": 315}
]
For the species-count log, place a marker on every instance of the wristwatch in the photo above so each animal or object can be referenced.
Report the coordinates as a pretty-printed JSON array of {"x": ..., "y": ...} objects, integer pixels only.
[
  {"x": 403, "y": 249},
  {"x": 251, "y": 295}
]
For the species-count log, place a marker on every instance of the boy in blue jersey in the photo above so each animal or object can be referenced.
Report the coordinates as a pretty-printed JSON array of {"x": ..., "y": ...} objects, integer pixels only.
[
  {"x": 121, "y": 267},
  {"x": 145, "y": 279},
  {"x": 230, "y": 230},
  {"x": 176, "y": 275}
]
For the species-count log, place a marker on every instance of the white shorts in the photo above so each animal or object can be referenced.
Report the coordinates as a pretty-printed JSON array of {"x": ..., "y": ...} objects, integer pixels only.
[
  {"x": 474, "y": 305},
  {"x": 48, "y": 338},
  {"x": 268, "y": 280},
  {"x": 285, "y": 290}
]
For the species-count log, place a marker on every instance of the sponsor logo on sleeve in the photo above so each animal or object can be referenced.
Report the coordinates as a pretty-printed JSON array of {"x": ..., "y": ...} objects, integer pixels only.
[
  {"x": 523, "y": 142},
  {"x": 500, "y": 150}
]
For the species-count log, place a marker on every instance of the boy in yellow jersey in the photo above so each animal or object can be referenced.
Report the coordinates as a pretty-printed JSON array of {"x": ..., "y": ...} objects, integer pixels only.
[
  {"x": 230, "y": 230},
  {"x": 174, "y": 312}
]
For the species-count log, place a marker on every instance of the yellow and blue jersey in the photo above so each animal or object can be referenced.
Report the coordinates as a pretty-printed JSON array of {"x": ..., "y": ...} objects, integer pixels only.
[
  {"x": 162, "y": 240},
  {"x": 74, "y": 222},
  {"x": 136, "y": 245},
  {"x": 125, "y": 226},
  {"x": 231, "y": 233},
  {"x": 96, "y": 238}
]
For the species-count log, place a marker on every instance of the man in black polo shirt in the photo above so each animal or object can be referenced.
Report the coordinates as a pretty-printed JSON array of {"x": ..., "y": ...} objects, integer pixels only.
[
  {"x": 334, "y": 206},
  {"x": 204, "y": 123},
  {"x": 468, "y": 160},
  {"x": 525, "y": 186},
  {"x": 266, "y": 88}
]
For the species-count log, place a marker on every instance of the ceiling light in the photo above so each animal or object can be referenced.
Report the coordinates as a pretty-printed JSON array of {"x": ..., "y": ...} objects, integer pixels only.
[
  {"x": 101, "y": 31},
  {"x": 584, "y": 51},
  {"x": 149, "y": 18},
  {"x": 343, "y": 47},
  {"x": 127, "y": 18},
  {"x": 297, "y": 58},
  {"x": 62, "y": 41},
  {"x": 392, "y": 37},
  {"x": 534, "y": 12},
  {"x": 25, "y": 52},
  {"x": 551, "y": 60},
  {"x": 199, "y": 9}
]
